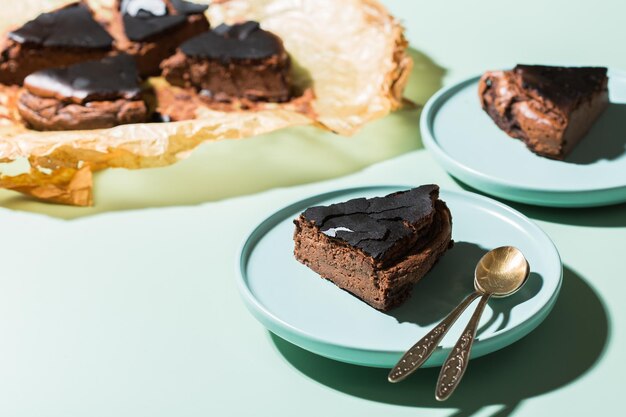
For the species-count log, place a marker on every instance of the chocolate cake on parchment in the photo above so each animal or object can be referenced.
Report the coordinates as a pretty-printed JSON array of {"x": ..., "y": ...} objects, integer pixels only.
[
  {"x": 87, "y": 95},
  {"x": 241, "y": 61},
  {"x": 551, "y": 109},
  {"x": 59, "y": 38},
  {"x": 151, "y": 30},
  {"x": 376, "y": 248}
]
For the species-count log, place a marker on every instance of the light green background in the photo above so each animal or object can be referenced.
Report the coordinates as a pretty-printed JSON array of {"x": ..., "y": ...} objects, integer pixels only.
[{"x": 130, "y": 308}]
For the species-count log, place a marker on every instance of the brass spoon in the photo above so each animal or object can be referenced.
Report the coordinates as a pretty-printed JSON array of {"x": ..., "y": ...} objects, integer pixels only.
[{"x": 499, "y": 273}]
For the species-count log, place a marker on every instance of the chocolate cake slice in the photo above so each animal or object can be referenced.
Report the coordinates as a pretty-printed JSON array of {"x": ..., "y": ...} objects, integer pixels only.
[
  {"x": 241, "y": 61},
  {"x": 549, "y": 108},
  {"x": 62, "y": 37},
  {"x": 151, "y": 30},
  {"x": 87, "y": 95},
  {"x": 376, "y": 248}
]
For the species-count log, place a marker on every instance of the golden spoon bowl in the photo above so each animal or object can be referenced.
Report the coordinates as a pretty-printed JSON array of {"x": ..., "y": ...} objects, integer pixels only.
[{"x": 501, "y": 272}]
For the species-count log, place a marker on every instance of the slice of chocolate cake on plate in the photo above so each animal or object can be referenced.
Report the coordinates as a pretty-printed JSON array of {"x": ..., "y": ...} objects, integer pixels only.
[
  {"x": 551, "y": 109},
  {"x": 376, "y": 248},
  {"x": 61, "y": 37},
  {"x": 151, "y": 30},
  {"x": 87, "y": 95},
  {"x": 229, "y": 63}
]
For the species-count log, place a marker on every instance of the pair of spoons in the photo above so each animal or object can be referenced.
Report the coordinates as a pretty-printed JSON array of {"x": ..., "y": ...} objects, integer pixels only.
[{"x": 499, "y": 273}]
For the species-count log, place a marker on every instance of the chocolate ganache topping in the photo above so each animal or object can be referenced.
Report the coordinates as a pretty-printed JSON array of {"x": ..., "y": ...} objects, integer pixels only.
[
  {"x": 241, "y": 41},
  {"x": 146, "y": 18},
  {"x": 108, "y": 79},
  {"x": 187, "y": 7},
  {"x": 72, "y": 27},
  {"x": 377, "y": 225},
  {"x": 564, "y": 86}
]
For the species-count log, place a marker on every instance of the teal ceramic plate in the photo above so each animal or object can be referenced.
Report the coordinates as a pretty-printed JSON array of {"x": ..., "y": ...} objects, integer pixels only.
[
  {"x": 299, "y": 306},
  {"x": 468, "y": 144}
]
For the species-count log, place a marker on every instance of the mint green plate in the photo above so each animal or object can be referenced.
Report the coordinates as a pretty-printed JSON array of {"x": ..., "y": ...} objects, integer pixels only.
[
  {"x": 296, "y": 304},
  {"x": 469, "y": 145}
]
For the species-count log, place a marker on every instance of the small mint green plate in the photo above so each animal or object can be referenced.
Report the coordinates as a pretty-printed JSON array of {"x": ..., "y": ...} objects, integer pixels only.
[
  {"x": 296, "y": 304},
  {"x": 469, "y": 145}
]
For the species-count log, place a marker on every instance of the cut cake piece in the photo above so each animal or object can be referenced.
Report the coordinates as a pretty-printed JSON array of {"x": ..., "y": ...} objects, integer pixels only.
[
  {"x": 241, "y": 61},
  {"x": 549, "y": 108},
  {"x": 87, "y": 95},
  {"x": 151, "y": 30},
  {"x": 376, "y": 248},
  {"x": 59, "y": 38}
]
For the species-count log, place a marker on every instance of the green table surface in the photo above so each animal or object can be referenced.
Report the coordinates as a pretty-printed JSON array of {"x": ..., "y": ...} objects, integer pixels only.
[{"x": 130, "y": 308}]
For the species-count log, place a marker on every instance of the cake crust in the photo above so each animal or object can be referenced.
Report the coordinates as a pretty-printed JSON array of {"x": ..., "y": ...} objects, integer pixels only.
[{"x": 53, "y": 114}]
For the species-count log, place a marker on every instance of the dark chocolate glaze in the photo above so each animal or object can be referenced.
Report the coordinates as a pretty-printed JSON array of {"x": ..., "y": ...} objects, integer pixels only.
[
  {"x": 241, "y": 41},
  {"x": 144, "y": 19},
  {"x": 187, "y": 7},
  {"x": 72, "y": 27},
  {"x": 564, "y": 86},
  {"x": 108, "y": 79},
  {"x": 142, "y": 28},
  {"x": 376, "y": 224}
]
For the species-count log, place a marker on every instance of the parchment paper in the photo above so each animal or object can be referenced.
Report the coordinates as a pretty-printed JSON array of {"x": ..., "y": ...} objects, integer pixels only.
[{"x": 349, "y": 56}]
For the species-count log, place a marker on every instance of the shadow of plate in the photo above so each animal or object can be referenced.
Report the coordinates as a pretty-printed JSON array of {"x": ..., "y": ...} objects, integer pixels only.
[
  {"x": 606, "y": 216},
  {"x": 561, "y": 350}
]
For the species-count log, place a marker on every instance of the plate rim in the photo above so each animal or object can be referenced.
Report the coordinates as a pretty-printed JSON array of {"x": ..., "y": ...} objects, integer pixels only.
[
  {"x": 289, "y": 332},
  {"x": 539, "y": 195}
]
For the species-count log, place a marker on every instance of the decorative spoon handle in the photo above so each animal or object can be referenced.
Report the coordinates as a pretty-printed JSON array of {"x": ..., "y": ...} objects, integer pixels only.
[
  {"x": 421, "y": 351},
  {"x": 456, "y": 364}
]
